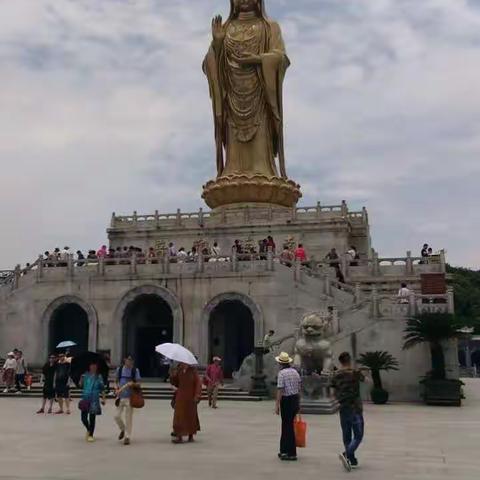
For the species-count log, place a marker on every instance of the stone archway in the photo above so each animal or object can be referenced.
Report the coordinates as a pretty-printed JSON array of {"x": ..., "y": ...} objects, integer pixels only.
[
  {"x": 133, "y": 297},
  {"x": 76, "y": 304},
  {"x": 219, "y": 303}
]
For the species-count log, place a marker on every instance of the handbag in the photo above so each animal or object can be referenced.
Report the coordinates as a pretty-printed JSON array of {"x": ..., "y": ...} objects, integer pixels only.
[
  {"x": 300, "y": 427},
  {"x": 136, "y": 398}
]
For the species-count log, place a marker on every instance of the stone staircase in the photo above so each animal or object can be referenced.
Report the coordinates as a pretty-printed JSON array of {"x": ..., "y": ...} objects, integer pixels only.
[{"x": 151, "y": 391}]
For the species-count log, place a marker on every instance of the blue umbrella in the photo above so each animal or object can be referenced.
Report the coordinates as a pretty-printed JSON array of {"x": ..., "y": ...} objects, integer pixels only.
[{"x": 66, "y": 344}]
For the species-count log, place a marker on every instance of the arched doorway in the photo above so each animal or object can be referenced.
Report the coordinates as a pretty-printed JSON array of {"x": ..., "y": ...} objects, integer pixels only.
[
  {"x": 231, "y": 334},
  {"x": 69, "y": 321},
  {"x": 147, "y": 322}
]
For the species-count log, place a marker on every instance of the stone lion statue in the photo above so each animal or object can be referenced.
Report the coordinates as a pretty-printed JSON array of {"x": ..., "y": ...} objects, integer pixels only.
[{"x": 313, "y": 353}]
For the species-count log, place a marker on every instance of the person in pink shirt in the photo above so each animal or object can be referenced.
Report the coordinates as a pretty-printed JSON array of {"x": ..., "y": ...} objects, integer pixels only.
[
  {"x": 300, "y": 254},
  {"x": 213, "y": 380},
  {"x": 103, "y": 252}
]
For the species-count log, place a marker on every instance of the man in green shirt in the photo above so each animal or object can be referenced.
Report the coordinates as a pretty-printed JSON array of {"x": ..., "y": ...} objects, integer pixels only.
[{"x": 346, "y": 383}]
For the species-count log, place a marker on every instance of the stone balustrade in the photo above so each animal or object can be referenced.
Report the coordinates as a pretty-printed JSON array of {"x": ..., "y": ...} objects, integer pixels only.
[
  {"x": 392, "y": 307},
  {"x": 201, "y": 217}
]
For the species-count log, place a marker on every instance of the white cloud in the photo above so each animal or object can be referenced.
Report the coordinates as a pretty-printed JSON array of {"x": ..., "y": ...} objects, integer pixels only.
[{"x": 104, "y": 107}]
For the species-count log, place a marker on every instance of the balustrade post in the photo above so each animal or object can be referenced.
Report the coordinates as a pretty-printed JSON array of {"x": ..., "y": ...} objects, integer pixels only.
[
  {"x": 234, "y": 260},
  {"x": 17, "y": 275},
  {"x": 376, "y": 265},
  {"x": 40, "y": 267},
  {"x": 327, "y": 285},
  {"x": 450, "y": 300},
  {"x": 412, "y": 304},
  {"x": 270, "y": 264},
  {"x": 178, "y": 219},
  {"x": 200, "y": 263},
  {"x": 101, "y": 266},
  {"x": 365, "y": 215},
  {"x": 344, "y": 264},
  {"x": 133, "y": 263},
  {"x": 443, "y": 263},
  {"x": 297, "y": 271},
  {"x": 70, "y": 265},
  {"x": 294, "y": 213},
  {"x": 135, "y": 218},
  {"x": 409, "y": 263},
  {"x": 157, "y": 219},
  {"x": 358, "y": 293},
  {"x": 200, "y": 217},
  {"x": 344, "y": 209},
  {"x": 166, "y": 261},
  {"x": 319, "y": 210},
  {"x": 375, "y": 303}
]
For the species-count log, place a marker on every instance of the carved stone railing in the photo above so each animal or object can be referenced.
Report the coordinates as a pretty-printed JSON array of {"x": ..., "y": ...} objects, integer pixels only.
[
  {"x": 201, "y": 217},
  {"x": 392, "y": 306},
  {"x": 393, "y": 266}
]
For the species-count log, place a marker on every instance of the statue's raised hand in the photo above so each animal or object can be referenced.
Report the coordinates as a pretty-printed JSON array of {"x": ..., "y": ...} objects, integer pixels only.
[{"x": 218, "y": 30}]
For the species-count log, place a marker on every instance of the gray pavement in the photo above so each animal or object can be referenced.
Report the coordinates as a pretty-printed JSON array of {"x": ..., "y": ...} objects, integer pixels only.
[{"x": 240, "y": 441}]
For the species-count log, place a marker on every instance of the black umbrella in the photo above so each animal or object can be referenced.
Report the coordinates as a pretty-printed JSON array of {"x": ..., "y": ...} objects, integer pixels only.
[{"x": 81, "y": 363}]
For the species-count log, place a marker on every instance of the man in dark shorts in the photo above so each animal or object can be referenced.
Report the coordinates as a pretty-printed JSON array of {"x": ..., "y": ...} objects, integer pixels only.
[
  {"x": 48, "y": 376},
  {"x": 62, "y": 379},
  {"x": 346, "y": 383}
]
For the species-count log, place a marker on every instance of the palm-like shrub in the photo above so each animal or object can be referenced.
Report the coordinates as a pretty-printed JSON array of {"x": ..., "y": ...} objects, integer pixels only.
[
  {"x": 432, "y": 328},
  {"x": 376, "y": 362}
]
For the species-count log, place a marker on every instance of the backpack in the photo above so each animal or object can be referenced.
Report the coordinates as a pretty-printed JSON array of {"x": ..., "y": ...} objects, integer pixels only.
[{"x": 120, "y": 370}]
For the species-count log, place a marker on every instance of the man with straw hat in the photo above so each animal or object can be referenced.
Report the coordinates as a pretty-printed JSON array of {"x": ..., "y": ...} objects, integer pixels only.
[{"x": 288, "y": 405}]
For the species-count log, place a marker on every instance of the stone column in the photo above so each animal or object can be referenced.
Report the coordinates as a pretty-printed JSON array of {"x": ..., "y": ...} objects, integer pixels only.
[
  {"x": 17, "y": 274},
  {"x": 112, "y": 221},
  {"x": 375, "y": 305},
  {"x": 101, "y": 266},
  {"x": 326, "y": 280},
  {"x": 443, "y": 264},
  {"x": 70, "y": 265},
  {"x": 358, "y": 293},
  {"x": 344, "y": 209},
  {"x": 234, "y": 260},
  {"x": 297, "y": 271},
  {"x": 157, "y": 219},
  {"x": 412, "y": 304}
]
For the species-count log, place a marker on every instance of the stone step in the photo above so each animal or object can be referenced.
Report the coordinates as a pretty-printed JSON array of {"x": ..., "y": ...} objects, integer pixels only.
[{"x": 75, "y": 394}]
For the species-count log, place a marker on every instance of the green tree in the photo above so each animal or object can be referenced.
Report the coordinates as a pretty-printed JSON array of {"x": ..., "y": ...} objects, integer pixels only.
[
  {"x": 378, "y": 361},
  {"x": 432, "y": 328}
]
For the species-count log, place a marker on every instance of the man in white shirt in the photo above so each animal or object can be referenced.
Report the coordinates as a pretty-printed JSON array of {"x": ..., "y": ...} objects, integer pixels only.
[{"x": 404, "y": 294}]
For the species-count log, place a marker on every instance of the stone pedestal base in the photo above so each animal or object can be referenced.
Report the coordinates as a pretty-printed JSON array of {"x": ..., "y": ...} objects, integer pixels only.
[
  {"x": 323, "y": 406},
  {"x": 232, "y": 189}
]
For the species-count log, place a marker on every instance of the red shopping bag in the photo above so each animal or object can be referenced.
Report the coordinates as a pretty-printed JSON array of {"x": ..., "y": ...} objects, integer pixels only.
[{"x": 300, "y": 432}]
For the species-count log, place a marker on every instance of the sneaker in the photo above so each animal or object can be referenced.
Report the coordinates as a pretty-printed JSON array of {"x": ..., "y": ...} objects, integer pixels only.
[
  {"x": 345, "y": 462},
  {"x": 289, "y": 458},
  {"x": 40, "y": 411},
  {"x": 90, "y": 439},
  {"x": 354, "y": 463},
  {"x": 126, "y": 441},
  {"x": 122, "y": 435},
  {"x": 18, "y": 392},
  {"x": 5, "y": 391},
  {"x": 281, "y": 456}
]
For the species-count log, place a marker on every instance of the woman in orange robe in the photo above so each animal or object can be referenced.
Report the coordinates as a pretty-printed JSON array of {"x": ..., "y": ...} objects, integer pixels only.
[{"x": 188, "y": 395}]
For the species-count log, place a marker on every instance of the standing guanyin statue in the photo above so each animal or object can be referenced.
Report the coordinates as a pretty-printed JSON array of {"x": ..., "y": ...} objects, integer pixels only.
[{"x": 245, "y": 67}]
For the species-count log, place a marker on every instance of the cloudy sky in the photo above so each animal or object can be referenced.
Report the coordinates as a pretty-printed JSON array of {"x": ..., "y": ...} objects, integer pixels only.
[{"x": 103, "y": 107}]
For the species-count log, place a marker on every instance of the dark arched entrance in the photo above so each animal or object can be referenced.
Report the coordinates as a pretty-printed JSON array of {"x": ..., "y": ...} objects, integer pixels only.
[
  {"x": 69, "y": 321},
  {"x": 147, "y": 322},
  {"x": 231, "y": 334}
]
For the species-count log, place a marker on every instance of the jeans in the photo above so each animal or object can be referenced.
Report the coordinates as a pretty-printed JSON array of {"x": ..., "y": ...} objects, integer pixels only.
[
  {"x": 353, "y": 430},
  {"x": 88, "y": 419},
  {"x": 19, "y": 380},
  {"x": 289, "y": 407}
]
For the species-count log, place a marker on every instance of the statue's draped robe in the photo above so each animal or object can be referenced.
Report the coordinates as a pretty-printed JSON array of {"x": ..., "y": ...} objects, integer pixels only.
[{"x": 247, "y": 100}]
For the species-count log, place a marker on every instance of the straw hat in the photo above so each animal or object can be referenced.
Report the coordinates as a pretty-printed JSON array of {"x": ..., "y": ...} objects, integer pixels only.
[
  {"x": 10, "y": 354},
  {"x": 284, "y": 359}
]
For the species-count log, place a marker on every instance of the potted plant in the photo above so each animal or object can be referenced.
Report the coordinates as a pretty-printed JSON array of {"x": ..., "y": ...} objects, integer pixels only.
[
  {"x": 376, "y": 362},
  {"x": 434, "y": 329}
]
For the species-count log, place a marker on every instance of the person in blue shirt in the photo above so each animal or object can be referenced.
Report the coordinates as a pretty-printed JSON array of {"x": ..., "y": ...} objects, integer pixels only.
[
  {"x": 90, "y": 405},
  {"x": 126, "y": 377}
]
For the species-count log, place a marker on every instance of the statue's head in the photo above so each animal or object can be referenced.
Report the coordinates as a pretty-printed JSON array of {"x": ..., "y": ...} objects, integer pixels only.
[
  {"x": 239, "y": 6},
  {"x": 314, "y": 325}
]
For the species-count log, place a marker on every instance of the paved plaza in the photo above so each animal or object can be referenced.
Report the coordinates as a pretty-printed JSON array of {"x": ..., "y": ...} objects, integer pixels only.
[{"x": 239, "y": 441}]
